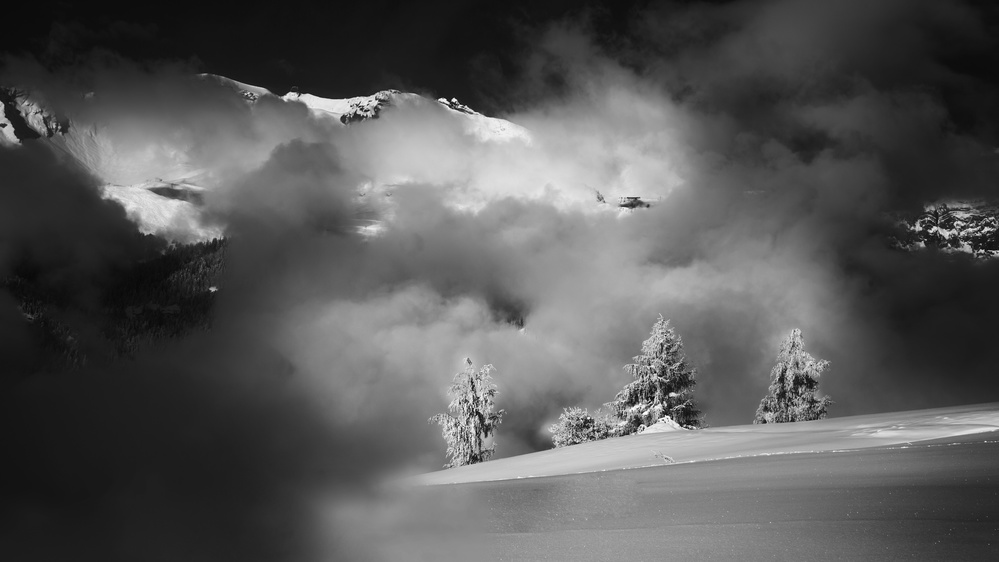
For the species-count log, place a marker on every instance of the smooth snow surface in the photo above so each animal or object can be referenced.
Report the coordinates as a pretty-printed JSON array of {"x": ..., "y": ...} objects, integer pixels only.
[
  {"x": 476, "y": 125},
  {"x": 664, "y": 425},
  {"x": 332, "y": 107},
  {"x": 248, "y": 91},
  {"x": 156, "y": 214},
  {"x": 635, "y": 451},
  {"x": 7, "y": 136},
  {"x": 491, "y": 129},
  {"x": 936, "y": 501},
  {"x": 115, "y": 163}
]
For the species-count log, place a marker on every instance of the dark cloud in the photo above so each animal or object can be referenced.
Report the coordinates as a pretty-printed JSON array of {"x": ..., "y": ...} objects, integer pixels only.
[
  {"x": 55, "y": 226},
  {"x": 67, "y": 40},
  {"x": 218, "y": 443}
]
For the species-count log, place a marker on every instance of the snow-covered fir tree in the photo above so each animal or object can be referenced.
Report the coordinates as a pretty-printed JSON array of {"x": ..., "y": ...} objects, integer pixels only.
[
  {"x": 794, "y": 382},
  {"x": 472, "y": 418},
  {"x": 575, "y": 425},
  {"x": 663, "y": 385}
]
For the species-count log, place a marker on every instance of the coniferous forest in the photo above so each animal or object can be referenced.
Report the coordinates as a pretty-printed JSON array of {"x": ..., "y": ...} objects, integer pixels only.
[{"x": 167, "y": 293}]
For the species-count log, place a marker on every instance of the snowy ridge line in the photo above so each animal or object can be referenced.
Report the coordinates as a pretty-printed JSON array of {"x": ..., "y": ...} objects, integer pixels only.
[{"x": 959, "y": 227}]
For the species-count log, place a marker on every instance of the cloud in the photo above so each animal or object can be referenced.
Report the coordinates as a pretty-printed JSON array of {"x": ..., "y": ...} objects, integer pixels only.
[
  {"x": 55, "y": 226},
  {"x": 775, "y": 144},
  {"x": 799, "y": 128}
]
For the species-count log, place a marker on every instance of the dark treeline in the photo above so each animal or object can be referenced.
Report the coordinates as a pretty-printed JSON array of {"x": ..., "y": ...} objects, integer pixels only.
[{"x": 165, "y": 295}]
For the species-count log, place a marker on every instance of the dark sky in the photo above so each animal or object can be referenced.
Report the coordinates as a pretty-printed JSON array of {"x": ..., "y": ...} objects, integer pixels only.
[{"x": 462, "y": 49}]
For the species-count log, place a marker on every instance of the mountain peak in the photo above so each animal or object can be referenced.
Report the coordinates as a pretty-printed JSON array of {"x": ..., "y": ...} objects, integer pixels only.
[
  {"x": 960, "y": 227},
  {"x": 24, "y": 119},
  {"x": 454, "y": 104}
]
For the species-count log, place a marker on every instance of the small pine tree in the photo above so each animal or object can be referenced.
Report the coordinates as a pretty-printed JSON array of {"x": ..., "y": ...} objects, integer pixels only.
[
  {"x": 663, "y": 385},
  {"x": 793, "y": 384},
  {"x": 575, "y": 425},
  {"x": 472, "y": 418}
]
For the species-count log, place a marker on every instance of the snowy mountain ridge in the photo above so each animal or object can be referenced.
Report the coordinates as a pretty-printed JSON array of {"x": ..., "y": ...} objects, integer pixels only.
[
  {"x": 24, "y": 118},
  {"x": 161, "y": 191},
  {"x": 960, "y": 227},
  {"x": 361, "y": 108}
]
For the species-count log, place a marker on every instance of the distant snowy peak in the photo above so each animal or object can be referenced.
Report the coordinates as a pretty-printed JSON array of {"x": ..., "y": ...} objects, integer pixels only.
[
  {"x": 24, "y": 118},
  {"x": 346, "y": 110},
  {"x": 456, "y": 106},
  {"x": 368, "y": 107},
  {"x": 349, "y": 110},
  {"x": 967, "y": 227},
  {"x": 353, "y": 110},
  {"x": 157, "y": 186}
]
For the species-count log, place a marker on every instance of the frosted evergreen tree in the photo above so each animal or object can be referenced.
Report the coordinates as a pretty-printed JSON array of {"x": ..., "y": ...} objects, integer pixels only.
[
  {"x": 472, "y": 419},
  {"x": 794, "y": 382},
  {"x": 575, "y": 425},
  {"x": 663, "y": 385}
]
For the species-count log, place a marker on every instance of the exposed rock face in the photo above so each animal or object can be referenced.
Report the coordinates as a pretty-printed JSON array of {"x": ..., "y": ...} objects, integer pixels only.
[
  {"x": 24, "y": 119},
  {"x": 454, "y": 104},
  {"x": 970, "y": 227},
  {"x": 368, "y": 107},
  {"x": 14, "y": 127}
]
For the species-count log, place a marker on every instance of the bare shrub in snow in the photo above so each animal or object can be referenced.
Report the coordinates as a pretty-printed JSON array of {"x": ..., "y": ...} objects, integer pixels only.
[
  {"x": 576, "y": 425},
  {"x": 663, "y": 457}
]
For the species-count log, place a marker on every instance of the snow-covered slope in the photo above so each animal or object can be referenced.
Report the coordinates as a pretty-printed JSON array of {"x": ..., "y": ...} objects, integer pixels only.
[
  {"x": 485, "y": 128},
  {"x": 354, "y": 110},
  {"x": 361, "y": 108},
  {"x": 350, "y": 110},
  {"x": 649, "y": 449},
  {"x": 166, "y": 208},
  {"x": 248, "y": 92}
]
